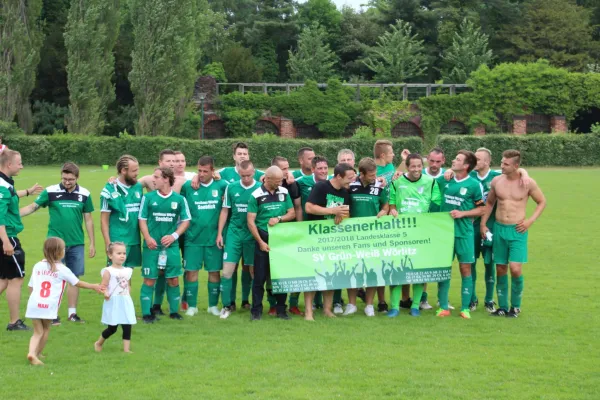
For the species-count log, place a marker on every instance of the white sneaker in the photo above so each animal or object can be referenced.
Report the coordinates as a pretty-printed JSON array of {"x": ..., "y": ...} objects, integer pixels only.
[
  {"x": 449, "y": 306},
  {"x": 350, "y": 309},
  {"x": 191, "y": 311},
  {"x": 337, "y": 308},
  {"x": 370, "y": 311},
  {"x": 225, "y": 312},
  {"x": 214, "y": 311},
  {"x": 425, "y": 305}
]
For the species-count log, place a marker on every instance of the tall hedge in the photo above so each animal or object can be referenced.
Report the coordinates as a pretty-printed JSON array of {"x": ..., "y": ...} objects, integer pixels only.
[
  {"x": 537, "y": 150},
  {"x": 98, "y": 150}
]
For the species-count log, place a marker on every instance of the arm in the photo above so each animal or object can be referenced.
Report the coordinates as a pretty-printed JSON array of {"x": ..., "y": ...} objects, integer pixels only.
[
  {"x": 222, "y": 220},
  {"x": 478, "y": 211},
  {"x": 150, "y": 242},
  {"x": 146, "y": 182},
  {"x": 7, "y": 247},
  {"x": 298, "y": 209},
  {"x": 105, "y": 279},
  {"x": 91, "y": 286},
  {"x": 525, "y": 179},
  {"x": 402, "y": 166},
  {"x": 104, "y": 223},
  {"x": 318, "y": 210},
  {"x": 30, "y": 209},
  {"x": 489, "y": 206},
  {"x": 290, "y": 215},
  {"x": 251, "y": 218},
  {"x": 384, "y": 210},
  {"x": 35, "y": 189},
  {"x": 168, "y": 240},
  {"x": 89, "y": 227},
  {"x": 536, "y": 194}
]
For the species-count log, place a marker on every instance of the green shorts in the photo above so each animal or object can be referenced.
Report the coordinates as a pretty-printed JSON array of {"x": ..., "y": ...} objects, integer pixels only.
[
  {"x": 197, "y": 256},
  {"x": 485, "y": 251},
  {"x": 464, "y": 249},
  {"x": 150, "y": 262},
  {"x": 509, "y": 245},
  {"x": 235, "y": 248}
]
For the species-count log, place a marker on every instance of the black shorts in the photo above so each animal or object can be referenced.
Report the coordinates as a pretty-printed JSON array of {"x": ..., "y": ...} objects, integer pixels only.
[{"x": 12, "y": 267}]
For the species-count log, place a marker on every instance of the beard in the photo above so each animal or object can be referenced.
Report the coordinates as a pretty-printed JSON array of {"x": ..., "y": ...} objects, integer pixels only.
[{"x": 130, "y": 181}]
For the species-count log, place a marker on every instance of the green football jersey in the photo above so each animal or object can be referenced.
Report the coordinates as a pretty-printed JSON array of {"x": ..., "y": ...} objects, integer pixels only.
[
  {"x": 439, "y": 175},
  {"x": 266, "y": 205},
  {"x": 66, "y": 211},
  {"x": 305, "y": 184},
  {"x": 230, "y": 174},
  {"x": 9, "y": 207},
  {"x": 486, "y": 184},
  {"x": 237, "y": 197},
  {"x": 387, "y": 172},
  {"x": 162, "y": 213},
  {"x": 420, "y": 196},
  {"x": 205, "y": 207},
  {"x": 366, "y": 201},
  {"x": 299, "y": 174},
  {"x": 123, "y": 204},
  {"x": 463, "y": 195}
]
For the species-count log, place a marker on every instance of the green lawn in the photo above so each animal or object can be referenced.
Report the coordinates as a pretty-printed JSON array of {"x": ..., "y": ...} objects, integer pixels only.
[{"x": 550, "y": 352}]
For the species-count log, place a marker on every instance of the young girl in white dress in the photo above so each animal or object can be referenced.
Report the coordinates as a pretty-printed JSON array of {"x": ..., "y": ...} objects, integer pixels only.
[
  {"x": 118, "y": 307},
  {"x": 46, "y": 285}
]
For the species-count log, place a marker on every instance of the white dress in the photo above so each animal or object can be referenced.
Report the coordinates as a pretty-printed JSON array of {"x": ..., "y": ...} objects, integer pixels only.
[
  {"x": 118, "y": 309},
  {"x": 47, "y": 288}
]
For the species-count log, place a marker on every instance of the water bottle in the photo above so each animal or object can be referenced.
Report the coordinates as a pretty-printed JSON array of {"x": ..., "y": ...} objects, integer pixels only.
[{"x": 162, "y": 259}]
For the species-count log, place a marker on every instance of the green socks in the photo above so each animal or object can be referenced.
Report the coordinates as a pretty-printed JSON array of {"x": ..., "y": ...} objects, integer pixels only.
[
  {"x": 502, "y": 291},
  {"x": 190, "y": 290},
  {"x": 173, "y": 296},
  {"x": 516, "y": 290},
  {"x": 417, "y": 293},
  {"x": 294, "y": 299},
  {"x": 443, "y": 291},
  {"x": 490, "y": 282},
  {"x": 213, "y": 293},
  {"x": 159, "y": 289},
  {"x": 234, "y": 279},
  {"x": 395, "y": 295},
  {"x": 466, "y": 291},
  {"x": 146, "y": 298},
  {"x": 246, "y": 285},
  {"x": 474, "y": 278},
  {"x": 226, "y": 287},
  {"x": 337, "y": 296}
]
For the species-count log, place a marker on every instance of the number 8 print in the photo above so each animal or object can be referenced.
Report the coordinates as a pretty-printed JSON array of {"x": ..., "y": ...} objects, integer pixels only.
[{"x": 45, "y": 292}]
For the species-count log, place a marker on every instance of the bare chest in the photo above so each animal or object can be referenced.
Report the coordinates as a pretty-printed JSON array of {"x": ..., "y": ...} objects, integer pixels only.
[{"x": 511, "y": 191}]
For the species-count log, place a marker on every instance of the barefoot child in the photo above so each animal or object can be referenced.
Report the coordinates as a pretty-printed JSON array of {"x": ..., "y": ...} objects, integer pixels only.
[
  {"x": 118, "y": 306},
  {"x": 46, "y": 285}
]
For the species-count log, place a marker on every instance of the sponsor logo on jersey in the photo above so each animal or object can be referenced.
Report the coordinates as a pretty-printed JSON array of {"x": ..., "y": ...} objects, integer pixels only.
[
  {"x": 463, "y": 191},
  {"x": 137, "y": 194},
  {"x": 174, "y": 205},
  {"x": 59, "y": 196},
  {"x": 420, "y": 189},
  {"x": 281, "y": 197},
  {"x": 215, "y": 193}
]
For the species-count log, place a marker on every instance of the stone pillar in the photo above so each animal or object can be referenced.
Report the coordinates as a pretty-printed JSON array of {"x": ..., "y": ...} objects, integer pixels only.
[
  {"x": 286, "y": 129},
  {"x": 479, "y": 130},
  {"x": 519, "y": 125},
  {"x": 558, "y": 124}
]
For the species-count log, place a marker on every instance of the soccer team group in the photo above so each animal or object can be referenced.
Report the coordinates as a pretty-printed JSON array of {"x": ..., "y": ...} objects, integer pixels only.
[{"x": 213, "y": 219}]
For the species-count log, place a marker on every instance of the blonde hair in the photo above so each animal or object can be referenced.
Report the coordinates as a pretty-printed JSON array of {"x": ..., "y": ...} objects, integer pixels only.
[
  {"x": 54, "y": 251},
  {"x": 381, "y": 147},
  {"x": 112, "y": 245}
]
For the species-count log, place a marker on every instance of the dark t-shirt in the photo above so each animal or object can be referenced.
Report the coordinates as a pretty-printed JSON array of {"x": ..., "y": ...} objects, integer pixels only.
[
  {"x": 293, "y": 189},
  {"x": 325, "y": 195}
]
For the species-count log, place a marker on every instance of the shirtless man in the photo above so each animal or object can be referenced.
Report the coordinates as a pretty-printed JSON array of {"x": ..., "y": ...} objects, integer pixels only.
[{"x": 510, "y": 229}]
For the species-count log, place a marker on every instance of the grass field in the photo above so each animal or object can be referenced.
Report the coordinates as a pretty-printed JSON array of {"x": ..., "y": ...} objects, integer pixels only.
[{"x": 550, "y": 352}]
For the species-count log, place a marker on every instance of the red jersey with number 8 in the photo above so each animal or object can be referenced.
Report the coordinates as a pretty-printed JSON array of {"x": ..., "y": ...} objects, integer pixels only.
[{"x": 47, "y": 289}]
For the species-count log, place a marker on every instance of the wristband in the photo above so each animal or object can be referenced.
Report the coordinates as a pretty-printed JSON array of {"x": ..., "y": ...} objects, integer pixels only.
[
  {"x": 27, "y": 191},
  {"x": 175, "y": 235}
]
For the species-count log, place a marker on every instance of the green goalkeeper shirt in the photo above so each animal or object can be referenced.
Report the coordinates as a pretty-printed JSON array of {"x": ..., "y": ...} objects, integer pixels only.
[{"x": 420, "y": 196}]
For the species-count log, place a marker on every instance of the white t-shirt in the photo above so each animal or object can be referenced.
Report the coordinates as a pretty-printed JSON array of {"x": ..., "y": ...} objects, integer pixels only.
[{"x": 47, "y": 289}]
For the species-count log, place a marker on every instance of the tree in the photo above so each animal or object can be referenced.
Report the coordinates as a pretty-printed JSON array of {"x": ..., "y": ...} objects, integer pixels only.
[
  {"x": 469, "y": 50},
  {"x": 164, "y": 60},
  {"x": 326, "y": 14},
  {"x": 313, "y": 59},
  {"x": 91, "y": 32},
  {"x": 556, "y": 30},
  {"x": 20, "y": 41},
  {"x": 239, "y": 65},
  {"x": 398, "y": 56}
]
